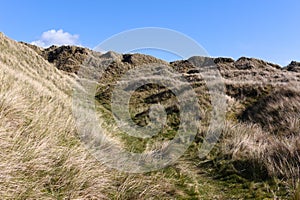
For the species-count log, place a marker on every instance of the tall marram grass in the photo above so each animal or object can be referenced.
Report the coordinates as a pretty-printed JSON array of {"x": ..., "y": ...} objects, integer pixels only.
[
  {"x": 41, "y": 155},
  {"x": 257, "y": 154}
]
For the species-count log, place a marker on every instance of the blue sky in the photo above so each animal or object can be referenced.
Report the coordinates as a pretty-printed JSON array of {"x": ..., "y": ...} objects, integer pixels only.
[{"x": 266, "y": 29}]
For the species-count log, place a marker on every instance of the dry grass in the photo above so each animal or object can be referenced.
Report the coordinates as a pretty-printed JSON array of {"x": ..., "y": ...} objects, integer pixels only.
[
  {"x": 258, "y": 155},
  {"x": 278, "y": 112},
  {"x": 42, "y": 157},
  {"x": 41, "y": 154}
]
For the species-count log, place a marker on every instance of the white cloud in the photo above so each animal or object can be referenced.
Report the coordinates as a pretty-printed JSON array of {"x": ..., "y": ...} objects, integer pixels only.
[{"x": 59, "y": 37}]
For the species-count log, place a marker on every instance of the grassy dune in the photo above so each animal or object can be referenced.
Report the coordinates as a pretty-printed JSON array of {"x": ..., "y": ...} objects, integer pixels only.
[{"x": 42, "y": 157}]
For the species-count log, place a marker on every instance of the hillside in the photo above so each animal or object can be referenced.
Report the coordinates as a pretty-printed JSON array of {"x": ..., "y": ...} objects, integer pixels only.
[{"x": 256, "y": 157}]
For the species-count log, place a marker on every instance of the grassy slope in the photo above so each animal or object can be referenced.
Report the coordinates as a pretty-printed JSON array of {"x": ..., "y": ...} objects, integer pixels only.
[{"x": 41, "y": 156}]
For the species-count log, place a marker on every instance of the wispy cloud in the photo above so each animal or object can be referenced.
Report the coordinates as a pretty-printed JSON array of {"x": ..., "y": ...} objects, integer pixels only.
[{"x": 56, "y": 37}]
